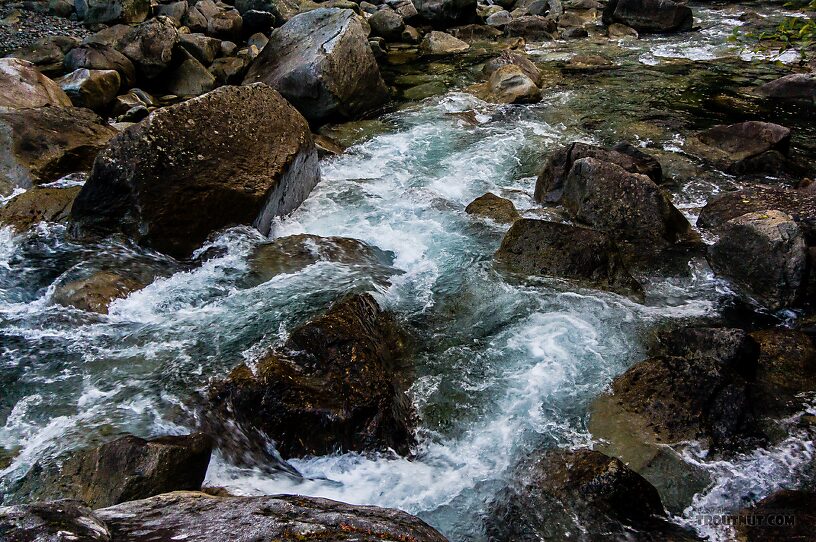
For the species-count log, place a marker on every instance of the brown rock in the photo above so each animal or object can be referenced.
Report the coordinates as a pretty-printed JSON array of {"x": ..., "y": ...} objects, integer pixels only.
[
  {"x": 38, "y": 205},
  {"x": 23, "y": 86},
  {"x": 95, "y": 293},
  {"x": 493, "y": 207}
]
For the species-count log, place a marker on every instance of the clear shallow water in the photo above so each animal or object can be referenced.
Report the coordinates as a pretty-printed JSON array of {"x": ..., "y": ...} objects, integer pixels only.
[{"x": 502, "y": 368}]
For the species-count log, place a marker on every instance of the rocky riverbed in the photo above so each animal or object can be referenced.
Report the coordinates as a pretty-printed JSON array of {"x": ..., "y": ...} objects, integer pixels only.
[{"x": 406, "y": 270}]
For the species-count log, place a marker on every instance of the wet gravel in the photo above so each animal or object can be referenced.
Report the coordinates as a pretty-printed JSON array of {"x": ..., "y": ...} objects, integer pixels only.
[{"x": 20, "y": 27}]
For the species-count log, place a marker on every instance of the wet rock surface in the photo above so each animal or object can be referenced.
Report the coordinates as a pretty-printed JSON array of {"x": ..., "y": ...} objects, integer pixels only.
[
  {"x": 41, "y": 145},
  {"x": 744, "y": 148},
  {"x": 38, "y": 205},
  {"x": 168, "y": 185},
  {"x": 56, "y": 520},
  {"x": 587, "y": 256},
  {"x": 560, "y": 494},
  {"x": 337, "y": 384},
  {"x": 493, "y": 207},
  {"x": 287, "y": 518},
  {"x": 96, "y": 292}
]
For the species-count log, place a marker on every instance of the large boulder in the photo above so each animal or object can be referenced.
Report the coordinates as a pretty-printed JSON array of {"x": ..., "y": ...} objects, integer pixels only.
[
  {"x": 94, "y": 89},
  {"x": 629, "y": 207},
  {"x": 563, "y": 494},
  {"x": 337, "y": 384},
  {"x": 649, "y": 15},
  {"x": 54, "y": 521},
  {"x": 743, "y": 148},
  {"x": 150, "y": 45},
  {"x": 794, "y": 87},
  {"x": 112, "y": 11},
  {"x": 765, "y": 254},
  {"x": 38, "y": 205},
  {"x": 286, "y": 518},
  {"x": 550, "y": 183},
  {"x": 786, "y": 370},
  {"x": 696, "y": 387},
  {"x": 787, "y": 514},
  {"x": 97, "y": 56},
  {"x": 445, "y": 13},
  {"x": 799, "y": 204},
  {"x": 193, "y": 168},
  {"x": 589, "y": 257},
  {"x": 41, "y": 145},
  {"x": 322, "y": 63},
  {"x": 125, "y": 469},
  {"x": 23, "y": 86}
]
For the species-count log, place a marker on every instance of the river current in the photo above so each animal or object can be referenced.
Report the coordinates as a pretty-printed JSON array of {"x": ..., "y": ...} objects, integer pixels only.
[{"x": 503, "y": 366}]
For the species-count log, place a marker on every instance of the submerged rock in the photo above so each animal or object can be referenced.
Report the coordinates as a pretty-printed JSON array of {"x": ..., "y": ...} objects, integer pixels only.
[
  {"x": 744, "y": 148},
  {"x": 322, "y": 63},
  {"x": 41, "y": 145},
  {"x": 589, "y": 257},
  {"x": 765, "y": 254},
  {"x": 493, "y": 207},
  {"x": 629, "y": 207},
  {"x": 562, "y": 494},
  {"x": 55, "y": 521},
  {"x": 206, "y": 518},
  {"x": 126, "y": 469},
  {"x": 23, "y": 86},
  {"x": 193, "y": 168},
  {"x": 293, "y": 253},
  {"x": 649, "y": 15},
  {"x": 96, "y": 292},
  {"x": 337, "y": 384},
  {"x": 550, "y": 183},
  {"x": 38, "y": 205}
]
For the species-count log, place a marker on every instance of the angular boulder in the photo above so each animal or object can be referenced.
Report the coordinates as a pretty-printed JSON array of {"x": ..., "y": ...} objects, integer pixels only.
[
  {"x": 787, "y": 514},
  {"x": 438, "y": 43},
  {"x": 589, "y": 257},
  {"x": 629, "y": 207},
  {"x": 446, "y": 13},
  {"x": 47, "y": 53},
  {"x": 493, "y": 207},
  {"x": 150, "y": 45},
  {"x": 337, "y": 384},
  {"x": 205, "y": 518},
  {"x": 563, "y": 494},
  {"x": 322, "y": 63},
  {"x": 112, "y": 11},
  {"x": 649, "y": 16},
  {"x": 799, "y": 204},
  {"x": 97, "y": 56},
  {"x": 765, "y": 254},
  {"x": 388, "y": 24},
  {"x": 52, "y": 521},
  {"x": 93, "y": 89},
  {"x": 23, "y": 86},
  {"x": 38, "y": 205},
  {"x": 41, "y": 145},
  {"x": 126, "y": 469},
  {"x": 786, "y": 371},
  {"x": 743, "y": 148},
  {"x": 696, "y": 387},
  {"x": 550, "y": 183},
  {"x": 193, "y": 168}
]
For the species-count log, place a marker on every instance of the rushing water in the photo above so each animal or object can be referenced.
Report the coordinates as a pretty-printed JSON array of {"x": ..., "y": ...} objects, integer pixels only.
[{"x": 503, "y": 367}]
